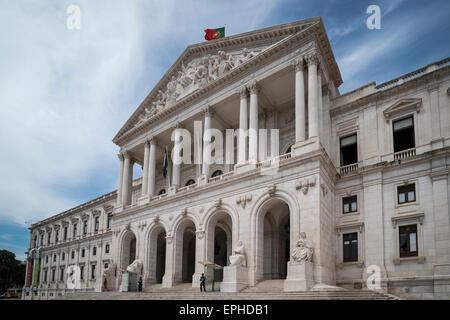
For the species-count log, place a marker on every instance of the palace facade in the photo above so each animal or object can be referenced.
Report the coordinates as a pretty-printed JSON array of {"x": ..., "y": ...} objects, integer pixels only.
[{"x": 364, "y": 175}]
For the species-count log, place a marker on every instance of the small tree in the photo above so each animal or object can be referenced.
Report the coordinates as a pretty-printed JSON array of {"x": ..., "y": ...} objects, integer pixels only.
[{"x": 12, "y": 271}]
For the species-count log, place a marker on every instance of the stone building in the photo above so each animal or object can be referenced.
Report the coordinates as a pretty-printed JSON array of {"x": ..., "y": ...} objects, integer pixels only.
[{"x": 364, "y": 176}]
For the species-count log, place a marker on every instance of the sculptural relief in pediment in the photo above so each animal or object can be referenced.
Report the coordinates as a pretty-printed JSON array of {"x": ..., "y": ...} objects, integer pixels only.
[{"x": 193, "y": 76}]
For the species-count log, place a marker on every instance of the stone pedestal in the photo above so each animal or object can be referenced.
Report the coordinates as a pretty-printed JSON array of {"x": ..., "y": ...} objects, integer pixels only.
[
  {"x": 235, "y": 279},
  {"x": 300, "y": 276},
  {"x": 303, "y": 147},
  {"x": 244, "y": 167}
]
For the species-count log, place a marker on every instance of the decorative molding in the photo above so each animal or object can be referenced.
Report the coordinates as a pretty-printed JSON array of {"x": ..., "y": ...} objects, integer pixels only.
[
  {"x": 156, "y": 218},
  {"x": 242, "y": 200},
  {"x": 305, "y": 184},
  {"x": 271, "y": 190},
  {"x": 142, "y": 225},
  {"x": 403, "y": 106},
  {"x": 184, "y": 212},
  {"x": 169, "y": 239},
  {"x": 218, "y": 203},
  {"x": 324, "y": 188},
  {"x": 200, "y": 234},
  {"x": 253, "y": 87},
  {"x": 413, "y": 215}
]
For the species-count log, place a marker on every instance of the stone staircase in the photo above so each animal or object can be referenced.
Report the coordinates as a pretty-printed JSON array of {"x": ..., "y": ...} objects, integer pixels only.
[{"x": 264, "y": 290}]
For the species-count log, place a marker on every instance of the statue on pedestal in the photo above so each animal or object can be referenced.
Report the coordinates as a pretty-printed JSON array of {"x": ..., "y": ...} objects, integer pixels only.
[
  {"x": 303, "y": 250},
  {"x": 238, "y": 257}
]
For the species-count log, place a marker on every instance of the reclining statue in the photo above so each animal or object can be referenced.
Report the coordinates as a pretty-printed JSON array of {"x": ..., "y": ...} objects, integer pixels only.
[
  {"x": 238, "y": 257},
  {"x": 136, "y": 266}
]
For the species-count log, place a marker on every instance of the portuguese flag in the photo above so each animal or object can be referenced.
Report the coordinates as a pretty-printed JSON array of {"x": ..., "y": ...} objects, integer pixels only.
[{"x": 212, "y": 34}]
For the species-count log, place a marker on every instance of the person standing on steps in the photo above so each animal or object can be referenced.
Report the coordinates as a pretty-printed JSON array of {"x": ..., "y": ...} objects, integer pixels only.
[
  {"x": 202, "y": 283},
  {"x": 140, "y": 284}
]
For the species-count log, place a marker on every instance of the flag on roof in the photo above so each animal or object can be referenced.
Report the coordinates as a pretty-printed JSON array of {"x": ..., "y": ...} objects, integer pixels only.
[{"x": 212, "y": 34}]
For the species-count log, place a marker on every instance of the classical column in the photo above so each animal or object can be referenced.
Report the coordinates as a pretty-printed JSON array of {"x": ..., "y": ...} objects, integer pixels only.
[
  {"x": 206, "y": 142},
  {"x": 119, "y": 187},
  {"x": 243, "y": 125},
  {"x": 152, "y": 167},
  {"x": 176, "y": 167},
  {"x": 253, "y": 131},
  {"x": 300, "y": 114},
  {"x": 145, "y": 169},
  {"x": 319, "y": 96},
  {"x": 313, "y": 99},
  {"x": 126, "y": 185}
]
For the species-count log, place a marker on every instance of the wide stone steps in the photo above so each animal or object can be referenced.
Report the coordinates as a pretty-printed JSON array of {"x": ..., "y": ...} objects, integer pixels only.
[{"x": 265, "y": 290}]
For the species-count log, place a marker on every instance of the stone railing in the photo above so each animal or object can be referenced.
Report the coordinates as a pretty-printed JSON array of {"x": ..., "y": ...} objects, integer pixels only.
[
  {"x": 413, "y": 75},
  {"x": 187, "y": 188},
  {"x": 405, "y": 154},
  {"x": 348, "y": 168},
  {"x": 223, "y": 176},
  {"x": 271, "y": 161},
  {"x": 158, "y": 197}
]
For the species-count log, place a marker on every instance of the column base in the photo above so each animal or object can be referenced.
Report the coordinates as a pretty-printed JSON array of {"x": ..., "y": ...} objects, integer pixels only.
[
  {"x": 202, "y": 180},
  {"x": 235, "y": 279},
  {"x": 167, "y": 281},
  {"x": 300, "y": 276},
  {"x": 244, "y": 167},
  {"x": 302, "y": 147}
]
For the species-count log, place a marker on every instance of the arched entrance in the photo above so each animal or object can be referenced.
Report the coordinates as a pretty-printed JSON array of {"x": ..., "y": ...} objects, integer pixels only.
[
  {"x": 128, "y": 249},
  {"x": 157, "y": 254},
  {"x": 185, "y": 251},
  {"x": 219, "y": 238},
  {"x": 274, "y": 241}
]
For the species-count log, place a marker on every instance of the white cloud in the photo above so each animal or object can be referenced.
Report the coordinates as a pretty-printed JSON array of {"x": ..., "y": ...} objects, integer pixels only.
[{"x": 65, "y": 93}]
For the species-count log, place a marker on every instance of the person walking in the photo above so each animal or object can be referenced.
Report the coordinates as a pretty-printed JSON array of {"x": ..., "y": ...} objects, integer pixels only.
[
  {"x": 202, "y": 283},
  {"x": 105, "y": 284},
  {"x": 140, "y": 284}
]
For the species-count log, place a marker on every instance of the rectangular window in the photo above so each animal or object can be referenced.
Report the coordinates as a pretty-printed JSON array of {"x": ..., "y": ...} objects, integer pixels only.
[
  {"x": 108, "y": 221},
  {"x": 349, "y": 204},
  {"x": 81, "y": 272},
  {"x": 106, "y": 266},
  {"x": 45, "y": 275},
  {"x": 49, "y": 235},
  {"x": 350, "y": 246},
  {"x": 94, "y": 251},
  {"x": 56, "y": 235},
  {"x": 63, "y": 256},
  {"x": 73, "y": 254},
  {"x": 403, "y": 134},
  {"x": 74, "y": 230},
  {"x": 53, "y": 275},
  {"x": 408, "y": 241},
  {"x": 97, "y": 224},
  {"x": 93, "y": 271},
  {"x": 406, "y": 193},
  {"x": 61, "y": 275},
  {"x": 65, "y": 234},
  {"x": 107, "y": 248},
  {"x": 349, "y": 150},
  {"x": 54, "y": 258},
  {"x": 82, "y": 253},
  {"x": 85, "y": 227},
  {"x": 42, "y": 239}
]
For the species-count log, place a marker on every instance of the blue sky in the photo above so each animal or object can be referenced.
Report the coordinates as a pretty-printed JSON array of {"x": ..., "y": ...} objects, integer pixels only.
[{"x": 64, "y": 94}]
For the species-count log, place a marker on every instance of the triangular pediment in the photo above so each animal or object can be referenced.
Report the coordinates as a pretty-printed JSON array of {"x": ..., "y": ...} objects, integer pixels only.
[
  {"x": 403, "y": 106},
  {"x": 207, "y": 64}
]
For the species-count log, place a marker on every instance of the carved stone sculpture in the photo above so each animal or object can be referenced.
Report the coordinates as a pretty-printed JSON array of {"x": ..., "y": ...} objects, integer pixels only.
[
  {"x": 303, "y": 250},
  {"x": 136, "y": 266},
  {"x": 238, "y": 257}
]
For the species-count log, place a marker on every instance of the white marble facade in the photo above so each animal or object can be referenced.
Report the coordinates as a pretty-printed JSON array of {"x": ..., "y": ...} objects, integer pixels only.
[{"x": 284, "y": 77}]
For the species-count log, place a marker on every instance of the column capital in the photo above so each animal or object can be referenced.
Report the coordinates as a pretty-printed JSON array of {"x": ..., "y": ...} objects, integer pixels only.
[
  {"x": 253, "y": 87},
  {"x": 120, "y": 156},
  {"x": 299, "y": 64},
  {"x": 242, "y": 92},
  {"x": 150, "y": 140},
  {"x": 177, "y": 125},
  {"x": 312, "y": 59},
  {"x": 126, "y": 155},
  {"x": 208, "y": 110}
]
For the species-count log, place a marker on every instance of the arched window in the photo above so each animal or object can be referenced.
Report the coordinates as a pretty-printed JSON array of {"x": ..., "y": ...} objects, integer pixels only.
[
  {"x": 217, "y": 173},
  {"x": 162, "y": 191},
  {"x": 190, "y": 181}
]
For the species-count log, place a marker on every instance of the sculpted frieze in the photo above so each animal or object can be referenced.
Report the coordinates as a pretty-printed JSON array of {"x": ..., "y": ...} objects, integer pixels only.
[{"x": 194, "y": 75}]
